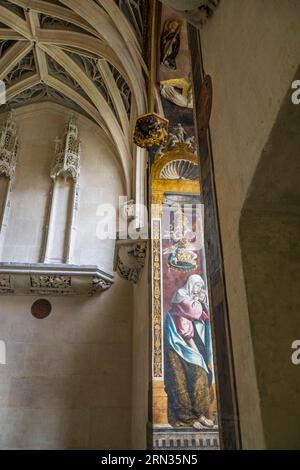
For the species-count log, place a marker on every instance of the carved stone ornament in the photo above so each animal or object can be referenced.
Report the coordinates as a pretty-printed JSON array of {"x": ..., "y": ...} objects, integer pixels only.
[
  {"x": 5, "y": 284},
  {"x": 41, "y": 309},
  {"x": 130, "y": 259},
  {"x": 196, "y": 12},
  {"x": 100, "y": 285},
  {"x": 127, "y": 210},
  {"x": 8, "y": 147},
  {"x": 52, "y": 279},
  {"x": 51, "y": 283},
  {"x": 67, "y": 153},
  {"x": 150, "y": 130},
  {"x": 204, "y": 12}
]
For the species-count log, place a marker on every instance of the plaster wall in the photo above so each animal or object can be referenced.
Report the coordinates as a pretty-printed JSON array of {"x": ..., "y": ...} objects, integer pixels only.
[
  {"x": 251, "y": 50},
  {"x": 140, "y": 362},
  {"x": 269, "y": 235}
]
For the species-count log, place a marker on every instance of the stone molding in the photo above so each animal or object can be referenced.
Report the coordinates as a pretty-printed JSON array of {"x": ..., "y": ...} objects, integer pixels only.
[
  {"x": 52, "y": 279},
  {"x": 168, "y": 438}
]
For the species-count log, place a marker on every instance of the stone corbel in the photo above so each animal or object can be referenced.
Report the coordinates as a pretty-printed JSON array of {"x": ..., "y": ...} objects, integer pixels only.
[
  {"x": 130, "y": 256},
  {"x": 196, "y": 12},
  {"x": 127, "y": 210}
]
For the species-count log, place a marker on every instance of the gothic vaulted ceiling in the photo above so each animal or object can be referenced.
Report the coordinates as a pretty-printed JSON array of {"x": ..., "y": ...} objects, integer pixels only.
[{"x": 85, "y": 54}]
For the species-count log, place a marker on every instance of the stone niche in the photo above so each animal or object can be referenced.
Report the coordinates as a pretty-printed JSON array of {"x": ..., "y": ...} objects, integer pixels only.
[{"x": 48, "y": 211}]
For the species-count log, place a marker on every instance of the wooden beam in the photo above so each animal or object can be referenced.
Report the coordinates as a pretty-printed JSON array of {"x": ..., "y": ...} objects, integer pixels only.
[
  {"x": 10, "y": 35},
  {"x": 41, "y": 63},
  {"x": 15, "y": 22}
]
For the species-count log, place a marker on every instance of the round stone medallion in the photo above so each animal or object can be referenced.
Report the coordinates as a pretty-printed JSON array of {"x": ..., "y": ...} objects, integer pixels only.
[{"x": 41, "y": 309}]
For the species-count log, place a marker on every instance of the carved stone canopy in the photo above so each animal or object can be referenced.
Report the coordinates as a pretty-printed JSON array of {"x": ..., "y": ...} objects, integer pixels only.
[
  {"x": 52, "y": 280},
  {"x": 67, "y": 153},
  {"x": 8, "y": 147},
  {"x": 196, "y": 12}
]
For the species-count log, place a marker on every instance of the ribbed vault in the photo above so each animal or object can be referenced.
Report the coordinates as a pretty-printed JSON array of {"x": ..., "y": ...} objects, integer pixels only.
[{"x": 84, "y": 54}]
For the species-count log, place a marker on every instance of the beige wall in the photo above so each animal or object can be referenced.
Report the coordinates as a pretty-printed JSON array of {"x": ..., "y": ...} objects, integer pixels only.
[
  {"x": 67, "y": 382},
  {"x": 140, "y": 362},
  {"x": 251, "y": 50},
  {"x": 269, "y": 235}
]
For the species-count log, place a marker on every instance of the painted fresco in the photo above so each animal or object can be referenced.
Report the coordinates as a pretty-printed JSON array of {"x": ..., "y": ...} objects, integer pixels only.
[
  {"x": 184, "y": 400},
  {"x": 188, "y": 359},
  {"x": 183, "y": 387}
]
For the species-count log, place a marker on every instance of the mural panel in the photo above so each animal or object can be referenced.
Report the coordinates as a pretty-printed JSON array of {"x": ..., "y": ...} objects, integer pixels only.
[
  {"x": 184, "y": 395},
  {"x": 184, "y": 391}
]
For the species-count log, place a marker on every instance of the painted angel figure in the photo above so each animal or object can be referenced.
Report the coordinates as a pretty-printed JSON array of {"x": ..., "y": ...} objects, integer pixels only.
[
  {"x": 180, "y": 132},
  {"x": 178, "y": 91}
]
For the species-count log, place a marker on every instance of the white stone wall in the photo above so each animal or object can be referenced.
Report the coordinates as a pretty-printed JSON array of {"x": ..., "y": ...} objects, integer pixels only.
[{"x": 67, "y": 381}]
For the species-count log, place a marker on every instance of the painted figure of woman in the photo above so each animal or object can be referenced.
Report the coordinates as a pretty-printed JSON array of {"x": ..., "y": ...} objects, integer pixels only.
[
  {"x": 170, "y": 43},
  {"x": 188, "y": 357}
]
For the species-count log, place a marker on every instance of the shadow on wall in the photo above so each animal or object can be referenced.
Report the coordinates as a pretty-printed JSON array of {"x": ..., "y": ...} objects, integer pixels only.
[{"x": 269, "y": 238}]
